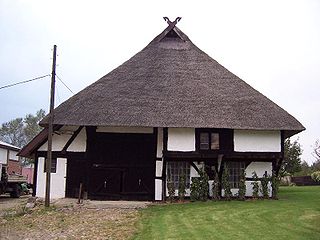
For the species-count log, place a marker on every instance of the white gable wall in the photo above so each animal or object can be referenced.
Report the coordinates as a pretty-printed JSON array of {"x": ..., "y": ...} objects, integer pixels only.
[
  {"x": 60, "y": 140},
  {"x": 58, "y": 179},
  {"x": 13, "y": 155},
  {"x": 79, "y": 144},
  {"x": 257, "y": 141},
  {"x": 3, "y": 156},
  {"x": 181, "y": 139}
]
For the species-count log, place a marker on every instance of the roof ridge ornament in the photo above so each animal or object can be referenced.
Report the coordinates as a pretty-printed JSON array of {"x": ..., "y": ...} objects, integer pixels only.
[
  {"x": 172, "y": 23},
  {"x": 172, "y": 26}
]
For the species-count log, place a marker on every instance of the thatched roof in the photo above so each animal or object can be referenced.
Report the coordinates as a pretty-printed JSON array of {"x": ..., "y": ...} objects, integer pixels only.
[{"x": 172, "y": 83}]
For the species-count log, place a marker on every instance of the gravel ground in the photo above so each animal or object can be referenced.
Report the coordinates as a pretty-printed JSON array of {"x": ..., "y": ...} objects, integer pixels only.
[{"x": 66, "y": 219}]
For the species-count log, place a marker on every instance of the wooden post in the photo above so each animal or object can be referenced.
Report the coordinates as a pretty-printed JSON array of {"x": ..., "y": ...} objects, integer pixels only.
[
  {"x": 80, "y": 193},
  {"x": 50, "y": 129}
]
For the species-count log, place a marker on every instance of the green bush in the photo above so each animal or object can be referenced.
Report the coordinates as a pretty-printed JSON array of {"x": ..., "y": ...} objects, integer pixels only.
[
  {"x": 216, "y": 186},
  {"x": 194, "y": 189},
  {"x": 264, "y": 186},
  {"x": 242, "y": 186},
  {"x": 204, "y": 185},
  {"x": 182, "y": 187},
  {"x": 316, "y": 176},
  {"x": 255, "y": 185},
  {"x": 199, "y": 187},
  {"x": 171, "y": 190},
  {"x": 226, "y": 184}
]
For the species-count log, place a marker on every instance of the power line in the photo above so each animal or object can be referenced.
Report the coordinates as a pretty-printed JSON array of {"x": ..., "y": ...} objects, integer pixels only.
[
  {"x": 64, "y": 84},
  {"x": 30, "y": 80}
]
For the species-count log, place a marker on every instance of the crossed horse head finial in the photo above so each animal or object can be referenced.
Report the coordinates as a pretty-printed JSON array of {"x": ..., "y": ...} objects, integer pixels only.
[{"x": 172, "y": 23}]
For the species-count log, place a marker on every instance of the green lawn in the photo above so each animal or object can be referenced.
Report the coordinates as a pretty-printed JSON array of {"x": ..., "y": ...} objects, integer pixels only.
[{"x": 295, "y": 216}]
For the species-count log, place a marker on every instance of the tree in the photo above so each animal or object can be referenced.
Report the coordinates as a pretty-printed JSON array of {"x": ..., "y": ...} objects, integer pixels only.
[
  {"x": 316, "y": 153},
  {"x": 316, "y": 150},
  {"x": 12, "y": 132},
  {"x": 292, "y": 157},
  {"x": 316, "y": 176},
  {"x": 20, "y": 131},
  {"x": 32, "y": 127},
  {"x": 306, "y": 170}
]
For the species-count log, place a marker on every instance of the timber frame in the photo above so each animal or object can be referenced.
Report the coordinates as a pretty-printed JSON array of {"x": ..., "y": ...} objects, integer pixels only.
[{"x": 211, "y": 158}]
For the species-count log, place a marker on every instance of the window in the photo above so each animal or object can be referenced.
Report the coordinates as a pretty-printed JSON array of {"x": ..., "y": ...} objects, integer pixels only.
[
  {"x": 177, "y": 169},
  {"x": 53, "y": 165},
  {"x": 209, "y": 141},
  {"x": 235, "y": 169}
]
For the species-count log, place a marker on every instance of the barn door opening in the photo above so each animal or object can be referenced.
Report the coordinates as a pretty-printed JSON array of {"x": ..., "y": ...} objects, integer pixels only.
[
  {"x": 106, "y": 183},
  {"x": 122, "y": 166}
]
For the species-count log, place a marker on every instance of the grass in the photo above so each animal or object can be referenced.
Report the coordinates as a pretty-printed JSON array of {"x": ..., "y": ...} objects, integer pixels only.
[{"x": 295, "y": 216}]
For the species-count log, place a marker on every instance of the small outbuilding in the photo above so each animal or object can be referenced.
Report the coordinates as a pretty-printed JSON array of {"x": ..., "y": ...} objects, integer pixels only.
[
  {"x": 9, "y": 161},
  {"x": 170, "y": 110}
]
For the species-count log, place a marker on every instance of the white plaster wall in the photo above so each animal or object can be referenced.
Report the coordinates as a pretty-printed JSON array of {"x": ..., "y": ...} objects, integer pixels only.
[
  {"x": 58, "y": 179},
  {"x": 259, "y": 168},
  {"x": 58, "y": 141},
  {"x": 125, "y": 129},
  {"x": 160, "y": 143},
  {"x": 159, "y": 165},
  {"x": 3, "y": 156},
  {"x": 181, "y": 139},
  {"x": 79, "y": 144},
  {"x": 158, "y": 190},
  {"x": 13, "y": 155},
  {"x": 257, "y": 141}
]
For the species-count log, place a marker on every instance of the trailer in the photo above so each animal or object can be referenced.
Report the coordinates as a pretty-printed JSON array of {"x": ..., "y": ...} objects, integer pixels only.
[{"x": 11, "y": 183}]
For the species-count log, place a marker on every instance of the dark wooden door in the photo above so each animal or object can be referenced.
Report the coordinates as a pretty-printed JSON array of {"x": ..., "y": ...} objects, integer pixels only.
[
  {"x": 76, "y": 174},
  {"x": 123, "y": 166},
  {"x": 106, "y": 182}
]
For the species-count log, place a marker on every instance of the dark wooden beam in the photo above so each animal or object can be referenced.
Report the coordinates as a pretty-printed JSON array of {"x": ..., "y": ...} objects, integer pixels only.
[
  {"x": 164, "y": 163},
  {"x": 165, "y": 139},
  {"x": 195, "y": 167},
  {"x": 35, "y": 175},
  {"x": 281, "y": 158},
  {"x": 199, "y": 156},
  {"x": 91, "y": 138},
  {"x": 73, "y": 137}
]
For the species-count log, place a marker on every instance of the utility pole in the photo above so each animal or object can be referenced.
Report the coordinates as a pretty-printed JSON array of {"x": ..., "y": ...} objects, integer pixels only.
[{"x": 50, "y": 129}]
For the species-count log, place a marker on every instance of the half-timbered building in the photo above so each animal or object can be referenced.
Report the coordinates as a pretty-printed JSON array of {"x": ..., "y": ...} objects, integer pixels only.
[{"x": 169, "y": 110}]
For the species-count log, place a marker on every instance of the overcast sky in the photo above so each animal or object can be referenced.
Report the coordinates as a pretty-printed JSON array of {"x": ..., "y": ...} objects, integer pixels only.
[{"x": 272, "y": 45}]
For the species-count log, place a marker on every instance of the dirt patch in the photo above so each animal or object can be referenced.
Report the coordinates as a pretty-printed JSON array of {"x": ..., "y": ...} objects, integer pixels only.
[
  {"x": 68, "y": 220},
  {"x": 6, "y": 202}
]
